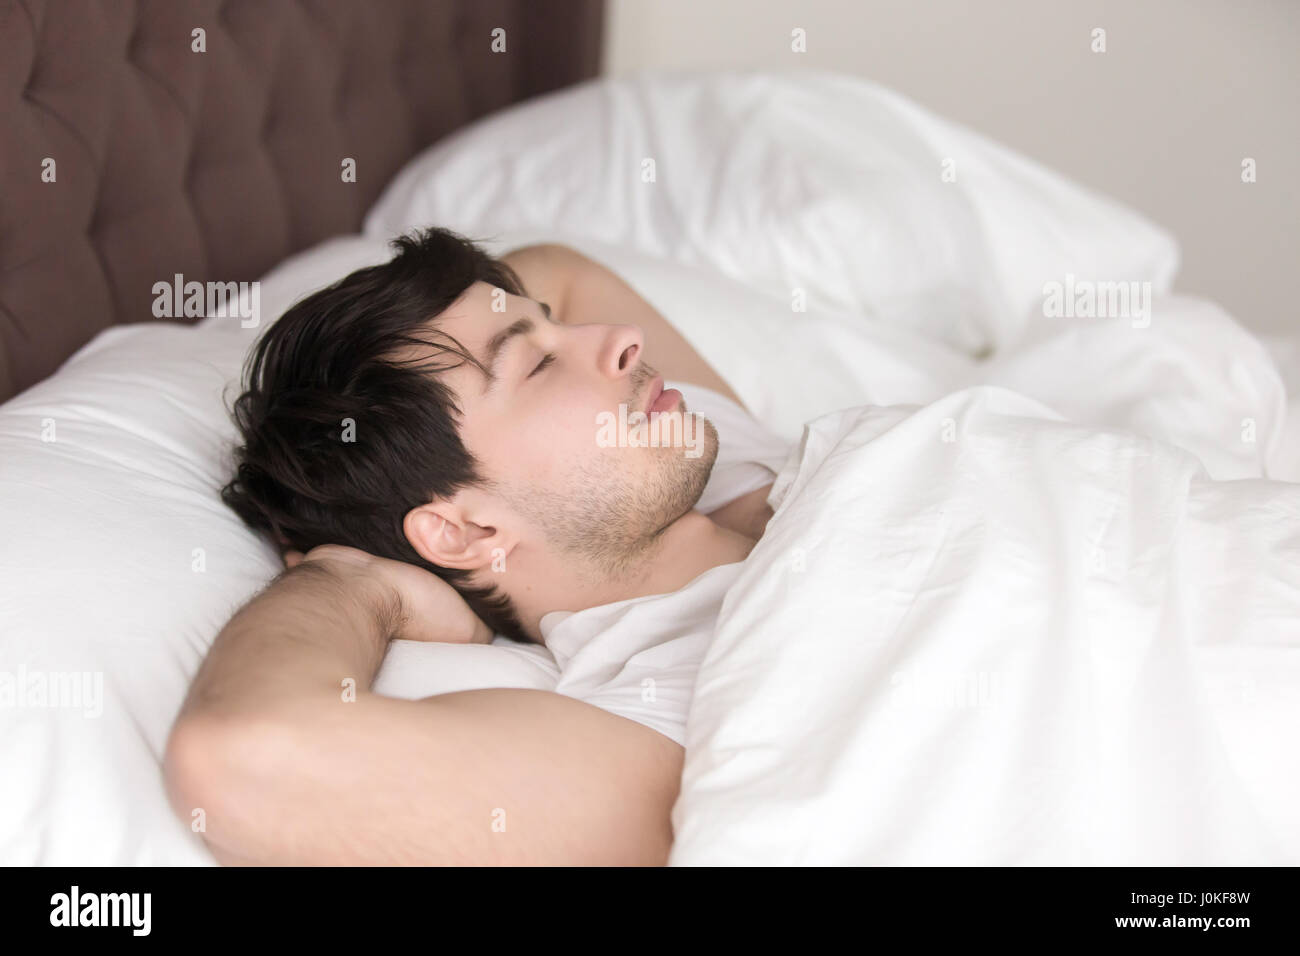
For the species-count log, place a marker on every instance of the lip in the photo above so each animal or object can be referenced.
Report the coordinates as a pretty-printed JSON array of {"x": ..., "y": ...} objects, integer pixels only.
[{"x": 655, "y": 390}]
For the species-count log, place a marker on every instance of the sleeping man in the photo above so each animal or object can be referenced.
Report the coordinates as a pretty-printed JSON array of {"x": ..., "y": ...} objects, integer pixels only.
[{"x": 423, "y": 439}]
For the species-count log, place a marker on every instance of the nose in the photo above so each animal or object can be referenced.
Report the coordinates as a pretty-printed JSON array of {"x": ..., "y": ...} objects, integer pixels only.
[{"x": 622, "y": 350}]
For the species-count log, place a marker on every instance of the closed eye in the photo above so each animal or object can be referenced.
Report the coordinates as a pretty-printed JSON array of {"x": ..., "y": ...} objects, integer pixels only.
[{"x": 542, "y": 364}]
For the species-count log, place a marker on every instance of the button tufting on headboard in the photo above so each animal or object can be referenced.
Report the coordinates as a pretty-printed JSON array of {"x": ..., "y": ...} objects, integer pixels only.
[{"x": 218, "y": 164}]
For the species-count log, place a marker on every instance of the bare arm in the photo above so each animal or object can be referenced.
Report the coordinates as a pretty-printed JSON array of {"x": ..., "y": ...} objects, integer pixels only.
[{"x": 289, "y": 772}]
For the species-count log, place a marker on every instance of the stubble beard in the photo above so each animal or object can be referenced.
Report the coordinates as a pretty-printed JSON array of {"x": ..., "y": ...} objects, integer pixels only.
[{"x": 611, "y": 518}]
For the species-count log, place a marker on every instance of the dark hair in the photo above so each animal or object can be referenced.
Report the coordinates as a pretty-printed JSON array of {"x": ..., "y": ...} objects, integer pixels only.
[{"x": 336, "y": 355}]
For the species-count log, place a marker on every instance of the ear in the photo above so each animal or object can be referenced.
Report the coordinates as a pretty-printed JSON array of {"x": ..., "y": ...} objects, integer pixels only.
[{"x": 442, "y": 534}]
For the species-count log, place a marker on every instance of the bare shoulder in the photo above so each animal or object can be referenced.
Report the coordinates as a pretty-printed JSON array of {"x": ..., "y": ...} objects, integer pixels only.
[
  {"x": 545, "y": 269},
  {"x": 747, "y": 515},
  {"x": 581, "y": 290}
]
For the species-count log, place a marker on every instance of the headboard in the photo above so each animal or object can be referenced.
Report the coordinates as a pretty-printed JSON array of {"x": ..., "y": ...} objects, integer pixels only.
[{"x": 127, "y": 155}]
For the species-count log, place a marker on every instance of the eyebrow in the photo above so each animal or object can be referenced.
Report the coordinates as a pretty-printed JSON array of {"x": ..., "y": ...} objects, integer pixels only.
[{"x": 496, "y": 345}]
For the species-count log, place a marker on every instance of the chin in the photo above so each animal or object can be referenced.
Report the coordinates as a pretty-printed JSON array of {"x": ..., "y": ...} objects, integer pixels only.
[{"x": 691, "y": 475}]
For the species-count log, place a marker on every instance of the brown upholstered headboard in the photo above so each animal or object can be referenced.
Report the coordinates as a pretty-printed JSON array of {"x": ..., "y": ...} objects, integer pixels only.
[{"x": 127, "y": 155}]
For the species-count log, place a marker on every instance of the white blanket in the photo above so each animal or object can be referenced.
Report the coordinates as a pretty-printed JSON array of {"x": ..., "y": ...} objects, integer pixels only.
[{"x": 977, "y": 633}]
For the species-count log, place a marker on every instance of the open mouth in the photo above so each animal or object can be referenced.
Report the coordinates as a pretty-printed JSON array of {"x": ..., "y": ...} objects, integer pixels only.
[{"x": 661, "y": 399}]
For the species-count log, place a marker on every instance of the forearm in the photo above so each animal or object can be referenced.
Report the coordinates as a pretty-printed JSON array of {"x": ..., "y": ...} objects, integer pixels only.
[
  {"x": 337, "y": 783},
  {"x": 270, "y": 745},
  {"x": 301, "y": 638},
  {"x": 277, "y": 665}
]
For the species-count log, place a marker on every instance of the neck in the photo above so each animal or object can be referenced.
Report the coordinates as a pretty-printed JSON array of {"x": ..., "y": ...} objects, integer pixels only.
[{"x": 687, "y": 548}]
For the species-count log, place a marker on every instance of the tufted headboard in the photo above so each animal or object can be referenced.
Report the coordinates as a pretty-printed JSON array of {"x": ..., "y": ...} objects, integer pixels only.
[{"x": 128, "y": 155}]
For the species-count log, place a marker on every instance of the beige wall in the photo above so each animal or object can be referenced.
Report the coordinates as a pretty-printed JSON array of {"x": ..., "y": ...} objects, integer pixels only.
[{"x": 1161, "y": 120}]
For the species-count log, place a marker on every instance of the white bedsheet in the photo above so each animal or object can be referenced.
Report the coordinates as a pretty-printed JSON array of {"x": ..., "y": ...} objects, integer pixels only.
[{"x": 976, "y": 633}]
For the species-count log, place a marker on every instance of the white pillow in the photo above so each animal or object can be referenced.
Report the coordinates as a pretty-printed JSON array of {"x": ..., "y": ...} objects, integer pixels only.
[{"x": 813, "y": 181}]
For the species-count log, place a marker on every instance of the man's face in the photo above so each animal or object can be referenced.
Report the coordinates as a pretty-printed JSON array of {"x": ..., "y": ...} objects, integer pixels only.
[{"x": 536, "y": 429}]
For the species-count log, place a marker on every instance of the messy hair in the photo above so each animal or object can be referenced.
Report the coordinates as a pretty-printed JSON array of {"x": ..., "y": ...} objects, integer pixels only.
[{"x": 365, "y": 349}]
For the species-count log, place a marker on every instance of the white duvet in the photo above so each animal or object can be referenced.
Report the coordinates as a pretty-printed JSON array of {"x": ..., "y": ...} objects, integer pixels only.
[{"x": 976, "y": 633}]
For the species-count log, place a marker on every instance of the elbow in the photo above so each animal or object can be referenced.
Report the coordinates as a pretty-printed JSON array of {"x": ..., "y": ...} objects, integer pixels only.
[
  {"x": 211, "y": 771},
  {"x": 183, "y": 766}
]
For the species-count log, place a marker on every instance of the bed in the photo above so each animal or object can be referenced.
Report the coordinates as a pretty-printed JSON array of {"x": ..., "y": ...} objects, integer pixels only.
[{"x": 801, "y": 227}]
